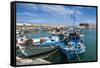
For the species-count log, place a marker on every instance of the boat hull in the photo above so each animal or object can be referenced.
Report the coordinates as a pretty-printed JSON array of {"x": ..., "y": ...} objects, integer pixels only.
[{"x": 29, "y": 51}]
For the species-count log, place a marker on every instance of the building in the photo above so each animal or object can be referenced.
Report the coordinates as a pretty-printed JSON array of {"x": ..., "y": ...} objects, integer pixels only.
[
  {"x": 26, "y": 26},
  {"x": 87, "y": 25}
]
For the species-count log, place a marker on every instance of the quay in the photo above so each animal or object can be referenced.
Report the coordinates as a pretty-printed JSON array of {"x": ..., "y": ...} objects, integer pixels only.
[{"x": 22, "y": 61}]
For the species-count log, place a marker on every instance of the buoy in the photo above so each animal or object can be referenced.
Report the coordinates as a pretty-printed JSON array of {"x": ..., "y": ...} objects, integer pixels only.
[{"x": 42, "y": 40}]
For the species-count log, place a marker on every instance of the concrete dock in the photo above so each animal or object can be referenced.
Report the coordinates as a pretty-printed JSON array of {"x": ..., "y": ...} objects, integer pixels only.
[{"x": 21, "y": 61}]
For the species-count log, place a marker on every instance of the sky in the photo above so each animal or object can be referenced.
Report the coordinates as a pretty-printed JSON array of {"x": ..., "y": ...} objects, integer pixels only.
[{"x": 54, "y": 14}]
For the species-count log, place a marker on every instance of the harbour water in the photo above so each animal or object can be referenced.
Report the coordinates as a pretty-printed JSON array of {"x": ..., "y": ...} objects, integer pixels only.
[{"x": 90, "y": 43}]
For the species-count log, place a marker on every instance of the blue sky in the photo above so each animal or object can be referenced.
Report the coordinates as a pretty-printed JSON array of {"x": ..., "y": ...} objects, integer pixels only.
[{"x": 54, "y": 14}]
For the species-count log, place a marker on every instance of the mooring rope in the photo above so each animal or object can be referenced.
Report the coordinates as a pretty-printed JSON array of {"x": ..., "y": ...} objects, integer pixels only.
[
  {"x": 77, "y": 55},
  {"x": 51, "y": 53}
]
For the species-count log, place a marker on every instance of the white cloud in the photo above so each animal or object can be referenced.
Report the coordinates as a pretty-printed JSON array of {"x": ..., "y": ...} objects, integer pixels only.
[
  {"x": 27, "y": 14},
  {"x": 58, "y": 10},
  {"x": 55, "y": 9},
  {"x": 78, "y": 12},
  {"x": 28, "y": 6},
  {"x": 32, "y": 6}
]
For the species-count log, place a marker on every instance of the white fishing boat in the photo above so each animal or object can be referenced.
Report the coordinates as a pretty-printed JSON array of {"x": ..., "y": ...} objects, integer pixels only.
[
  {"x": 34, "y": 46},
  {"x": 35, "y": 50}
]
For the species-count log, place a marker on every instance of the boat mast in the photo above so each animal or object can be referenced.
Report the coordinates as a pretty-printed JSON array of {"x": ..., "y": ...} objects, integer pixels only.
[{"x": 73, "y": 18}]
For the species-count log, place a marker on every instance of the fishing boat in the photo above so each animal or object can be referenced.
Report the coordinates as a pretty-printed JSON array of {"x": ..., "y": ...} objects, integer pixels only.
[
  {"x": 75, "y": 46},
  {"x": 32, "y": 47},
  {"x": 35, "y": 50}
]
